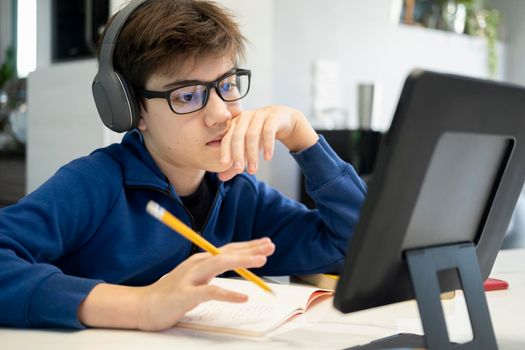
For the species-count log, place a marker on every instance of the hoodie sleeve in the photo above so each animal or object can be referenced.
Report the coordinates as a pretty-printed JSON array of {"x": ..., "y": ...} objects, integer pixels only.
[
  {"x": 312, "y": 241},
  {"x": 44, "y": 226}
]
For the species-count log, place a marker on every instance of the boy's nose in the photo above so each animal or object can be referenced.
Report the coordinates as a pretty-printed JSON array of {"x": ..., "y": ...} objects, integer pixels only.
[{"x": 216, "y": 111}]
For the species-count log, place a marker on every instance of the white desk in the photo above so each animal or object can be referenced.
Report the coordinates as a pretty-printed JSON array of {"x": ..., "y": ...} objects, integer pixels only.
[{"x": 323, "y": 327}]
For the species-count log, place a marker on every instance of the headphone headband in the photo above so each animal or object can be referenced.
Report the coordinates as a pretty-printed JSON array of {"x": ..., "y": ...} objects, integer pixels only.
[
  {"x": 113, "y": 96},
  {"x": 113, "y": 31}
]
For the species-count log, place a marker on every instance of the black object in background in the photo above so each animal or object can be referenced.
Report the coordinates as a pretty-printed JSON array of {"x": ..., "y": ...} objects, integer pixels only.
[
  {"x": 447, "y": 178},
  {"x": 12, "y": 178},
  {"x": 357, "y": 147},
  {"x": 77, "y": 25}
]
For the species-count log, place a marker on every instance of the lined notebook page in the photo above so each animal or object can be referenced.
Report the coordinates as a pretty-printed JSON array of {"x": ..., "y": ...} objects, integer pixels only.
[{"x": 262, "y": 312}]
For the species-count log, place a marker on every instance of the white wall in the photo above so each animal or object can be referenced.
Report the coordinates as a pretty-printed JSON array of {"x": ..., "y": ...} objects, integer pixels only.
[
  {"x": 62, "y": 121},
  {"x": 370, "y": 45},
  {"x": 364, "y": 37},
  {"x": 513, "y": 12},
  {"x": 43, "y": 33}
]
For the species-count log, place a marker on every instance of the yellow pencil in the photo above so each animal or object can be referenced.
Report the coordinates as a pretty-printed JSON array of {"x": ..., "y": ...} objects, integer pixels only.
[{"x": 171, "y": 221}]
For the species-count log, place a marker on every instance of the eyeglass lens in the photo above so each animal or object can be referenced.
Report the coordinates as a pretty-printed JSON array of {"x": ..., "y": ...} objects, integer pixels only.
[{"x": 188, "y": 99}]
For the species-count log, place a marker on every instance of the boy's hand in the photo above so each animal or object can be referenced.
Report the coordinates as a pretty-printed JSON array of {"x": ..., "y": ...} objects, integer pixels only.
[
  {"x": 162, "y": 304},
  {"x": 167, "y": 300},
  {"x": 251, "y": 131}
]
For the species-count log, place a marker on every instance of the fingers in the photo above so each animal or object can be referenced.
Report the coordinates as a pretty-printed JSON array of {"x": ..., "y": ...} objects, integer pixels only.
[
  {"x": 187, "y": 265},
  {"x": 253, "y": 135},
  {"x": 263, "y": 246},
  {"x": 203, "y": 271},
  {"x": 238, "y": 140},
  {"x": 228, "y": 174},
  {"x": 226, "y": 143},
  {"x": 210, "y": 292},
  {"x": 269, "y": 131},
  {"x": 247, "y": 133},
  {"x": 250, "y": 131},
  {"x": 233, "y": 255}
]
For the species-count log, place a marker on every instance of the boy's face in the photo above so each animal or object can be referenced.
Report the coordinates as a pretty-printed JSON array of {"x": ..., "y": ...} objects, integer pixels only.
[{"x": 188, "y": 143}]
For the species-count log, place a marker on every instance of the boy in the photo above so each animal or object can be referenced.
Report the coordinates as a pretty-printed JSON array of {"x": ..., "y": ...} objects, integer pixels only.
[{"x": 81, "y": 250}]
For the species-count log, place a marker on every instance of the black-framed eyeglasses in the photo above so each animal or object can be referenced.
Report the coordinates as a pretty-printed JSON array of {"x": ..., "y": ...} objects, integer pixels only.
[{"x": 193, "y": 97}]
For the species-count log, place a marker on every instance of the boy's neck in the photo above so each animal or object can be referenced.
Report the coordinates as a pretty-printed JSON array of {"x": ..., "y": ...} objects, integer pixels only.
[{"x": 185, "y": 183}]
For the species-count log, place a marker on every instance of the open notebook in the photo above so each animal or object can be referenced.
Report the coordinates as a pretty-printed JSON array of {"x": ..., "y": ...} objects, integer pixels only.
[{"x": 262, "y": 312}]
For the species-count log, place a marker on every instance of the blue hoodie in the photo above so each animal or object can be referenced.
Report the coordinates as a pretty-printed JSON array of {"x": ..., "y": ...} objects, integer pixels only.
[{"x": 87, "y": 225}]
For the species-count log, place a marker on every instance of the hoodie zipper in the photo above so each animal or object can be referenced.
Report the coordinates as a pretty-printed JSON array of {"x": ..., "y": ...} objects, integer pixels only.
[
  {"x": 168, "y": 193},
  {"x": 194, "y": 249},
  {"x": 211, "y": 209}
]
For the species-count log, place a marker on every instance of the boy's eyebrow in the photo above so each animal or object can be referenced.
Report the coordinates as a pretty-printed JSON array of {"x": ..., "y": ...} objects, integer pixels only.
[
  {"x": 181, "y": 83},
  {"x": 178, "y": 83}
]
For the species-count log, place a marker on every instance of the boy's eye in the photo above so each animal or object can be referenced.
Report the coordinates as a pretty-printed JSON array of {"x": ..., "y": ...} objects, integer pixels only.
[
  {"x": 189, "y": 94},
  {"x": 228, "y": 86},
  {"x": 187, "y": 97},
  {"x": 183, "y": 97}
]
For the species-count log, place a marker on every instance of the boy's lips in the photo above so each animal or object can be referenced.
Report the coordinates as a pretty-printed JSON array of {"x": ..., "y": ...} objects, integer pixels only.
[{"x": 215, "y": 141}]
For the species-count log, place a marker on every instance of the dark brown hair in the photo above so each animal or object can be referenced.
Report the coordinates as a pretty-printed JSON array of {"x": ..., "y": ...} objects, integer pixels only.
[{"x": 161, "y": 34}]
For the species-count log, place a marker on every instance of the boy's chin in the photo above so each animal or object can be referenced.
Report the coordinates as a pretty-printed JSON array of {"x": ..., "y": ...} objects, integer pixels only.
[{"x": 219, "y": 168}]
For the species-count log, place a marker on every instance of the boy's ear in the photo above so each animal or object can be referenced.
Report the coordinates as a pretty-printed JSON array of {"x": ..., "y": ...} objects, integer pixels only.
[{"x": 142, "y": 123}]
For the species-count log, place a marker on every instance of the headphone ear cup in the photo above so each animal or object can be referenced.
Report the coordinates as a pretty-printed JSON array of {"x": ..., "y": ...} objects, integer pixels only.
[
  {"x": 114, "y": 97},
  {"x": 131, "y": 102},
  {"x": 115, "y": 101}
]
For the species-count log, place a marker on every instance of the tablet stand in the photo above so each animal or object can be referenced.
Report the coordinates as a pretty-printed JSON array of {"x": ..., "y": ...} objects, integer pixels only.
[{"x": 424, "y": 265}]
